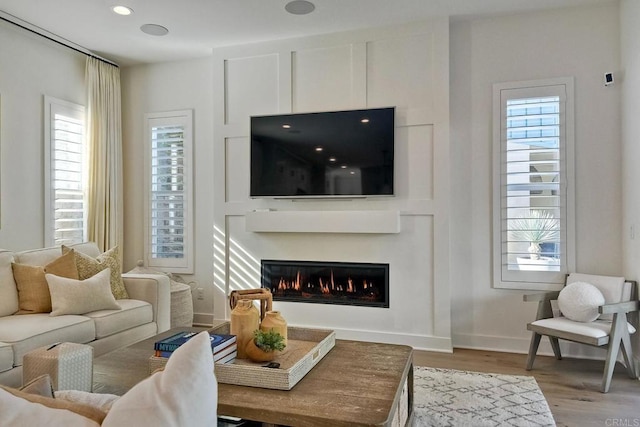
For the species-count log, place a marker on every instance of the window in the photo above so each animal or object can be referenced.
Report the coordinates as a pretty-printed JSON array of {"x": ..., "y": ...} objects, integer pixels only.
[
  {"x": 65, "y": 205},
  {"x": 533, "y": 199},
  {"x": 168, "y": 214}
]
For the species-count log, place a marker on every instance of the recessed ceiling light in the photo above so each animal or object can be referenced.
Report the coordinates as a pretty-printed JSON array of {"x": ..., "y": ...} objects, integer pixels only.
[
  {"x": 332, "y": 159},
  {"x": 318, "y": 148},
  {"x": 122, "y": 10},
  {"x": 343, "y": 166},
  {"x": 285, "y": 126},
  {"x": 299, "y": 7},
  {"x": 154, "y": 29},
  {"x": 364, "y": 120}
]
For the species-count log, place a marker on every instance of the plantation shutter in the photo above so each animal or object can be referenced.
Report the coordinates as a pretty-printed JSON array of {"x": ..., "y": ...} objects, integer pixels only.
[
  {"x": 169, "y": 236},
  {"x": 532, "y": 207},
  {"x": 65, "y": 198}
]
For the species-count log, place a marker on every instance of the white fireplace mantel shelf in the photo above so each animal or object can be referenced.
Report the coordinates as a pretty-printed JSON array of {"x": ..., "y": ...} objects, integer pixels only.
[{"x": 375, "y": 222}]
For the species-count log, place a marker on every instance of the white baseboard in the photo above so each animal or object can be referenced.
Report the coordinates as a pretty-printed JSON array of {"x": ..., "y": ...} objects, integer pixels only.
[
  {"x": 521, "y": 345},
  {"x": 418, "y": 342},
  {"x": 203, "y": 319}
]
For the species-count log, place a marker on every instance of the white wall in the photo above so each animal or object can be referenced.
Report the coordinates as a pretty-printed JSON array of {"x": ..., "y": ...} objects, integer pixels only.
[
  {"x": 30, "y": 67},
  {"x": 167, "y": 87},
  {"x": 579, "y": 42},
  {"x": 629, "y": 82}
]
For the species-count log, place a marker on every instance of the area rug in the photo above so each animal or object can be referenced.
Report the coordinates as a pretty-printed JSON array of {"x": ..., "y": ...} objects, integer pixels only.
[{"x": 445, "y": 397}]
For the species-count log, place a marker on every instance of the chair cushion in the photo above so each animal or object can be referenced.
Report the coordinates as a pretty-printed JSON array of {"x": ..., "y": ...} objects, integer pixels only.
[
  {"x": 614, "y": 289},
  {"x": 579, "y": 301},
  {"x": 596, "y": 329}
]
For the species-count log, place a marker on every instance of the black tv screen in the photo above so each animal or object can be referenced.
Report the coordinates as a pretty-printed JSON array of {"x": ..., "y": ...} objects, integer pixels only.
[{"x": 327, "y": 154}]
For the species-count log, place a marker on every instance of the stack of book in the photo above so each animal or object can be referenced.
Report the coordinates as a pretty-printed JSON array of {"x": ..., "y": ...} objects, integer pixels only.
[{"x": 224, "y": 347}]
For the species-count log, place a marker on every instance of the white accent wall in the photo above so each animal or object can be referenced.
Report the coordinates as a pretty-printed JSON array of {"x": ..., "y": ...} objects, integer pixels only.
[
  {"x": 583, "y": 43},
  {"x": 406, "y": 67}
]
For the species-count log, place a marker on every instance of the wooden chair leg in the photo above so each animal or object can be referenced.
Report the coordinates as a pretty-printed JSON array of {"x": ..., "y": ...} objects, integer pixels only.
[
  {"x": 533, "y": 349},
  {"x": 618, "y": 329},
  {"x": 555, "y": 345},
  {"x": 627, "y": 352}
]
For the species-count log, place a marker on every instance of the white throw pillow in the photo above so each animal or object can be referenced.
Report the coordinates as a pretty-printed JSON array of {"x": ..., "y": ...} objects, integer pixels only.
[
  {"x": 69, "y": 296},
  {"x": 18, "y": 412},
  {"x": 185, "y": 393},
  {"x": 579, "y": 301}
]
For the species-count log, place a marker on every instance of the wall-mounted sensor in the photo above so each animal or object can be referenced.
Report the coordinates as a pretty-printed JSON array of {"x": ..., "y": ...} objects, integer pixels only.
[{"x": 608, "y": 79}]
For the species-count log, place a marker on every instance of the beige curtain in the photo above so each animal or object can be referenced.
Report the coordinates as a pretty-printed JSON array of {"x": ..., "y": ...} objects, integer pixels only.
[{"x": 104, "y": 133}]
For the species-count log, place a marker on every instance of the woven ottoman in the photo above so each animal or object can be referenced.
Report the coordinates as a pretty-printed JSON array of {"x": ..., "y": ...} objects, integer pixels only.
[{"x": 70, "y": 366}]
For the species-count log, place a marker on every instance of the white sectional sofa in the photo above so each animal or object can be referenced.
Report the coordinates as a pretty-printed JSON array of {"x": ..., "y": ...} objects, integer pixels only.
[{"x": 145, "y": 313}]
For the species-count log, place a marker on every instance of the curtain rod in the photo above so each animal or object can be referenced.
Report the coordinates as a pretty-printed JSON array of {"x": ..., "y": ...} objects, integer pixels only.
[{"x": 50, "y": 36}]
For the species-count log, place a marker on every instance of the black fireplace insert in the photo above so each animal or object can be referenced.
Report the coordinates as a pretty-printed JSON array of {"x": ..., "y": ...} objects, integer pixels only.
[{"x": 346, "y": 283}]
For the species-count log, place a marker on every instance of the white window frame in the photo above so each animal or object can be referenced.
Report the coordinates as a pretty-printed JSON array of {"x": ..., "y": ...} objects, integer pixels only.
[
  {"x": 534, "y": 280},
  {"x": 53, "y": 106},
  {"x": 184, "y": 118}
]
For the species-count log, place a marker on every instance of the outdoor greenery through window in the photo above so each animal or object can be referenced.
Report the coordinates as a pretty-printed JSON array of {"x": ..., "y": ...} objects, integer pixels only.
[
  {"x": 65, "y": 216},
  {"x": 532, "y": 183},
  {"x": 169, "y": 237},
  {"x": 532, "y": 205}
]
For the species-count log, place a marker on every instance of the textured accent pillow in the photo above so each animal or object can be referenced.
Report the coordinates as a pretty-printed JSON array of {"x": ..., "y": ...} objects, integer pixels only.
[
  {"x": 579, "y": 301},
  {"x": 23, "y": 409},
  {"x": 89, "y": 266},
  {"x": 184, "y": 394},
  {"x": 69, "y": 296},
  {"x": 41, "y": 386},
  {"x": 33, "y": 291},
  {"x": 102, "y": 401}
]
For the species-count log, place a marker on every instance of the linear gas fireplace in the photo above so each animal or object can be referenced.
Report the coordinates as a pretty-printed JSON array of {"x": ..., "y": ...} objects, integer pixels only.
[{"x": 347, "y": 283}]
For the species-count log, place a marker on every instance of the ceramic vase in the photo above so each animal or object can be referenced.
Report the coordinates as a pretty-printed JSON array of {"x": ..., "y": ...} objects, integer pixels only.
[
  {"x": 257, "y": 354},
  {"x": 245, "y": 319},
  {"x": 274, "y": 320}
]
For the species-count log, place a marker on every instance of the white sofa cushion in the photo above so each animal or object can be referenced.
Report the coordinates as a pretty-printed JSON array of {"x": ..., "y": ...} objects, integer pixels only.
[
  {"x": 132, "y": 313},
  {"x": 6, "y": 357},
  {"x": 44, "y": 256},
  {"x": 9, "y": 303},
  {"x": 30, "y": 331}
]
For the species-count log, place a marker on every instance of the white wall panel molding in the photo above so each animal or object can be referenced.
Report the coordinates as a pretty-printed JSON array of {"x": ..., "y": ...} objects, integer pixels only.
[{"x": 403, "y": 66}]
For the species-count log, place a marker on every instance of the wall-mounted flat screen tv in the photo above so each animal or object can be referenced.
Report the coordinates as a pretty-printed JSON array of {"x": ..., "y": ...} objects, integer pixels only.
[{"x": 325, "y": 154}]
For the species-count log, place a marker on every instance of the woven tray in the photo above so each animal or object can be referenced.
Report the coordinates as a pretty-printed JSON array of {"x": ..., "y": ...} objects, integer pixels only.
[{"x": 305, "y": 348}]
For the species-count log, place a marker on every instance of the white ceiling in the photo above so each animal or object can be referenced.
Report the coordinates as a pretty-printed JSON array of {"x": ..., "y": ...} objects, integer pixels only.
[{"x": 197, "y": 26}]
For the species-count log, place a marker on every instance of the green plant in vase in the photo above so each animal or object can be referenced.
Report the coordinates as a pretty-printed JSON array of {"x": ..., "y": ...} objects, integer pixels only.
[
  {"x": 537, "y": 227},
  {"x": 265, "y": 345}
]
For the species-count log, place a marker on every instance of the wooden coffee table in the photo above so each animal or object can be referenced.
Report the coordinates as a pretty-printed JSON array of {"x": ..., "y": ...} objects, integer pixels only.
[{"x": 355, "y": 384}]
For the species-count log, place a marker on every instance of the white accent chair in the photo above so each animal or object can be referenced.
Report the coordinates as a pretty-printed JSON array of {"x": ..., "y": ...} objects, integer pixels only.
[{"x": 611, "y": 330}]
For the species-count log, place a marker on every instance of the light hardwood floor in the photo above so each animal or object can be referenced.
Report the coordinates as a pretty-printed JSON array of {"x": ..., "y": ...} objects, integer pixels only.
[{"x": 570, "y": 386}]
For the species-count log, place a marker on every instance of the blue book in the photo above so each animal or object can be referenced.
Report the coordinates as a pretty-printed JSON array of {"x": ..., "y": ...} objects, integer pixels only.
[
  {"x": 170, "y": 344},
  {"x": 216, "y": 356}
]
